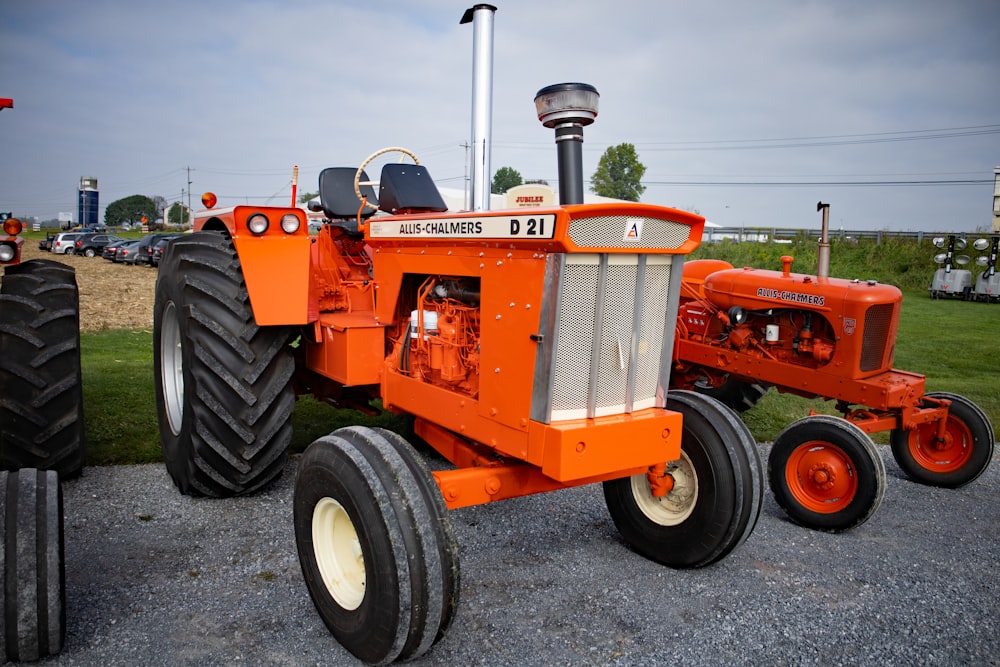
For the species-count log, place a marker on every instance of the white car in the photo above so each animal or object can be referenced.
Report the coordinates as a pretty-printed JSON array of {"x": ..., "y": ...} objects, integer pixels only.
[{"x": 64, "y": 241}]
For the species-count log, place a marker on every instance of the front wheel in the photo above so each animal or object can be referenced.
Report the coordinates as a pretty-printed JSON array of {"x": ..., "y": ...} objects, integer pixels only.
[
  {"x": 963, "y": 454},
  {"x": 716, "y": 496},
  {"x": 32, "y": 578},
  {"x": 826, "y": 473},
  {"x": 375, "y": 544}
]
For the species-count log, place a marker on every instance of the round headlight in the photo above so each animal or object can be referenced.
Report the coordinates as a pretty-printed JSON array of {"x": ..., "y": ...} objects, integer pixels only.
[
  {"x": 983, "y": 260},
  {"x": 938, "y": 242},
  {"x": 960, "y": 244},
  {"x": 290, "y": 223},
  {"x": 962, "y": 260},
  {"x": 7, "y": 252},
  {"x": 981, "y": 244},
  {"x": 257, "y": 223},
  {"x": 940, "y": 257}
]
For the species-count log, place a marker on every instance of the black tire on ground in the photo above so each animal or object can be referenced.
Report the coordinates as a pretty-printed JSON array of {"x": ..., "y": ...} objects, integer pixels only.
[
  {"x": 735, "y": 394},
  {"x": 41, "y": 393},
  {"x": 32, "y": 578},
  {"x": 965, "y": 454},
  {"x": 377, "y": 552},
  {"x": 717, "y": 494},
  {"x": 826, "y": 473},
  {"x": 223, "y": 383}
]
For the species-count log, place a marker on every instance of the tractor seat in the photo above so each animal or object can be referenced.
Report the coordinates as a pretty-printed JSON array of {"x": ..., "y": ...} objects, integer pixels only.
[{"x": 337, "y": 198}]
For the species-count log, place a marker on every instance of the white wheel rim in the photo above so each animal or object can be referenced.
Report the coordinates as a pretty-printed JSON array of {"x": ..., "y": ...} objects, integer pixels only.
[
  {"x": 675, "y": 507},
  {"x": 338, "y": 553},
  {"x": 172, "y": 367}
]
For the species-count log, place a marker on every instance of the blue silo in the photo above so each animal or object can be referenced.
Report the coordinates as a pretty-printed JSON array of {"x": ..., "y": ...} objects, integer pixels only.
[{"x": 88, "y": 202}]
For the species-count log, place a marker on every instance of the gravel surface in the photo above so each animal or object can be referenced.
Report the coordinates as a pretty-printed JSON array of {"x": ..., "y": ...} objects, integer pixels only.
[{"x": 156, "y": 578}]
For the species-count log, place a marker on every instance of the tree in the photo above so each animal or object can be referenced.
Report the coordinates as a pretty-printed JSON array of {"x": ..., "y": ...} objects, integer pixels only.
[
  {"x": 178, "y": 214},
  {"x": 505, "y": 179},
  {"x": 131, "y": 210},
  {"x": 306, "y": 197},
  {"x": 619, "y": 174}
]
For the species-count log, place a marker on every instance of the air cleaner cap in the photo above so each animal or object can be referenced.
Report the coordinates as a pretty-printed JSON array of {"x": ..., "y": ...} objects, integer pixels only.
[{"x": 567, "y": 103}]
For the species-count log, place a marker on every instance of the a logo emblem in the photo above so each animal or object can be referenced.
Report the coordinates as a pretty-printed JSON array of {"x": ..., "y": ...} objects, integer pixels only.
[{"x": 633, "y": 230}]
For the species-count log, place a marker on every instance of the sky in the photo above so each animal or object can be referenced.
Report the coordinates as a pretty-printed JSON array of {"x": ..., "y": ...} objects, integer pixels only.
[{"x": 748, "y": 113}]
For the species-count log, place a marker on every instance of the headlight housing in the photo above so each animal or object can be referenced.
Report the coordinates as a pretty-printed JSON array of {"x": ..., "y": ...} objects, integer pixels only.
[
  {"x": 257, "y": 223},
  {"x": 290, "y": 223}
]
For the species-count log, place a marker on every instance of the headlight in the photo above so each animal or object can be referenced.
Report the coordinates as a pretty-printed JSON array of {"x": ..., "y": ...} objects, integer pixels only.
[
  {"x": 257, "y": 223},
  {"x": 7, "y": 252},
  {"x": 981, "y": 244},
  {"x": 938, "y": 242},
  {"x": 290, "y": 223}
]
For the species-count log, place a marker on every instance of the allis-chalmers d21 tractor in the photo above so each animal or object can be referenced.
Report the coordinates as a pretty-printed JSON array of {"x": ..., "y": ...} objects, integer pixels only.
[
  {"x": 532, "y": 349},
  {"x": 742, "y": 330},
  {"x": 41, "y": 442}
]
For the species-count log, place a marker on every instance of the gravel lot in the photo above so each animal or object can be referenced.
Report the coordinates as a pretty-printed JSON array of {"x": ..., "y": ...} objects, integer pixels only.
[{"x": 156, "y": 578}]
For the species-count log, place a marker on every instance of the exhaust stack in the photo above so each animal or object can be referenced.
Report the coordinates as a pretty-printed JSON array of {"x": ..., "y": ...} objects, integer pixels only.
[
  {"x": 481, "y": 17},
  {"x": 823, "y": 257}
]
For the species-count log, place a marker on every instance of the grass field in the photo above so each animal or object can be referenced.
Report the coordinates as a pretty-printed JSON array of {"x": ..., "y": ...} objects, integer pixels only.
[{"x": 954, "y": 343}]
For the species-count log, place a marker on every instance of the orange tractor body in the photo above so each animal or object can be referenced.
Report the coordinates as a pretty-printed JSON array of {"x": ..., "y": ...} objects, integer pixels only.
[{"x": 471, "y": 369}]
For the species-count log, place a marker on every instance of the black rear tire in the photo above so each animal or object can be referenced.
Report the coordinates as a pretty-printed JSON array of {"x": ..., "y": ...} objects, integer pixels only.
[
  {"x": 375, "y": 544},
  {"x": 41, "y": 411},
  {"x": 963, "y": 457},
  {"x": 717, "y": 494},
  {"x": 32, "y": 576},
  {"x": 826, "y": 473},
  {"x": 223, "y": 383}
]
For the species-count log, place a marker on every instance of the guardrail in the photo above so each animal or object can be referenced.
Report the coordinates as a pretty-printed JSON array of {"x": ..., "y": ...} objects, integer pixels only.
[{"x": 786, "y": 235}]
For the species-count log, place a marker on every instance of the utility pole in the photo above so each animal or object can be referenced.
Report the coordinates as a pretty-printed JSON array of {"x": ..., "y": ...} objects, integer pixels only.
[{"x": 189, "y": 188}]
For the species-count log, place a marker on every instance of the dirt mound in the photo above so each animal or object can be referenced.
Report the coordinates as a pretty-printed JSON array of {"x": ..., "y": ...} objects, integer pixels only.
[{"x": 112, "y": 296}]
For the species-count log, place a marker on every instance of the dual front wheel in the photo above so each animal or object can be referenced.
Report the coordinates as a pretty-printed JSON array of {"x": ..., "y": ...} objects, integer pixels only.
[
  {"x": 826, "y": 473},
  {"x": 380, "y": 559}
]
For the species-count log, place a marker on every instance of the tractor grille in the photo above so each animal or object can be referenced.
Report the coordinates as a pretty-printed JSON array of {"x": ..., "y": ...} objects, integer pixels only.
[
  {"x": 611, "y": 232},
  {"x": 878, "y": 324},
  {"x": 609, "y": 333}
]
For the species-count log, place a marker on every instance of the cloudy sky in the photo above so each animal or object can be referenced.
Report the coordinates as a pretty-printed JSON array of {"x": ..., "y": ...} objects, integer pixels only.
[{"x": 747, "y": 112}]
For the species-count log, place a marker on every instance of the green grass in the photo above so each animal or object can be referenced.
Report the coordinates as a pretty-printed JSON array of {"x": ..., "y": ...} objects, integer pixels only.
[{"x": 954, "y": 343}]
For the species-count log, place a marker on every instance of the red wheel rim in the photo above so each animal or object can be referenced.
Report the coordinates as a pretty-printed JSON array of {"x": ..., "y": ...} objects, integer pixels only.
[
  {"x": 821, "y": 477},
  {"x": 941, "y": 457}
]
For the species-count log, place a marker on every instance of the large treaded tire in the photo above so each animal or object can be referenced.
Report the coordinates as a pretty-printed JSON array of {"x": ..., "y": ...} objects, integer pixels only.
[
  {"x": 41, "y": 393},
  {"x": 375, "y": 543},
  {"x": 32, "y": 575},
  {"x": 223, "y": 384},
  {"x": 717, "y": 494}
]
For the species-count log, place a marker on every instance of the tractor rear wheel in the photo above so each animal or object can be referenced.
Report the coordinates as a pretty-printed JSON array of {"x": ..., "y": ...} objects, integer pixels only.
[
  {"x": 375, "y": 544},
  {"x": 962, "y": 457},
  {"x": 717, "y": 490},
  {"x": 223, "y": 383},
  {"x": 32, "y": 588},
  {"x": 41, "y": 411},
  {"x": 735, "y": 394},
  {"x": 826, "y": 473}
]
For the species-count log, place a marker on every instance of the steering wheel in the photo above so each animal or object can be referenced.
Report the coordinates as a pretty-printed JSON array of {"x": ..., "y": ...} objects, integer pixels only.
[{"x": 357, "y": 175}]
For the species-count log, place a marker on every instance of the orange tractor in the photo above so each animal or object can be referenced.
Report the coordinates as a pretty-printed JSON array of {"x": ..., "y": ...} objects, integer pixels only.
[
  {"x": 533, "y": 351},
  {"x": 742, "y": 330}
]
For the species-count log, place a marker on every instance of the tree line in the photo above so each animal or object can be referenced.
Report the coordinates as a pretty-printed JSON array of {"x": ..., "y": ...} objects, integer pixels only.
[{"x": 618, "y": 175}]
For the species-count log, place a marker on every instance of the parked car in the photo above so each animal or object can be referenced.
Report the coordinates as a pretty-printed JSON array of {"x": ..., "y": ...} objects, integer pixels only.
[
  {"x": 46, "y": 243},
  {"x": 146, "y": 247},
  {"x": 127, "y": 252},
  {"x": 156, "y": 250},
  {"x": 91, "y": 245},
  {"x": 64, "y": 241}
]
